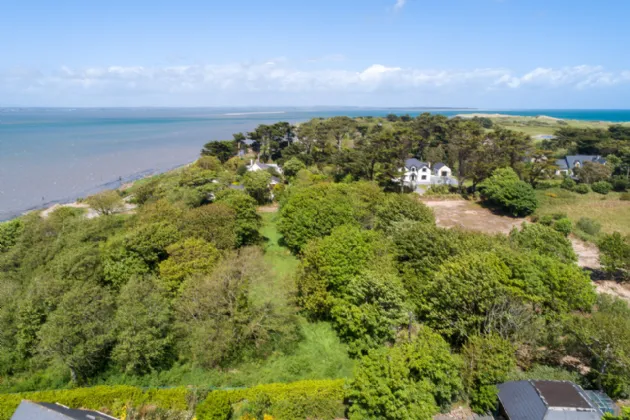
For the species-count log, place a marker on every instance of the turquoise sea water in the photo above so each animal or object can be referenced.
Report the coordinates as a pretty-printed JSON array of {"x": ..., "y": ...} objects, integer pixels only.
[{"x": 53, "y": 155}]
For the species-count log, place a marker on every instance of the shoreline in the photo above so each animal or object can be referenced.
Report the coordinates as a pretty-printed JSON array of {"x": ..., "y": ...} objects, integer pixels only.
[{"x": 72, "y": 200}]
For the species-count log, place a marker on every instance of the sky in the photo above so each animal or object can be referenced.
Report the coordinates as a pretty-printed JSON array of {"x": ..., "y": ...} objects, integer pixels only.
[{"x": 495, "y": 54}]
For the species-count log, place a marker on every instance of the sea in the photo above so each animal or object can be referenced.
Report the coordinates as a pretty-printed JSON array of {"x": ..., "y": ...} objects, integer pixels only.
[{"x": 56, "y": 155}]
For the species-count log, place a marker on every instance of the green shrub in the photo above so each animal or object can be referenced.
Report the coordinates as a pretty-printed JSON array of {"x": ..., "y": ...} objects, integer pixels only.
[
  {"x": 601, "y": 187},
  {"x": 438, "y": 189},
  {"x": 563, "y": 226},
  {"x": 567, "y": 184},
  {"x": 589, "y": 226},
  {"x": 313, "y": 399},
  {"x": 581, "y": 189},
  {"x": 543, "y": 240},
  {"x": 545, "y": 185},
  {"x": 620, "y": 184},
  {"x": 506, "y": 190},
  {"x": 546, "y": 220},
  {"x": 111, "y": 399}
]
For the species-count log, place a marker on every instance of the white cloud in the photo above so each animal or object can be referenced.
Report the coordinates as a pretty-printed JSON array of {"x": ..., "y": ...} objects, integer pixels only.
[
  {"x": 278, "y": 76},
  {"x": 399, "y": 5}
]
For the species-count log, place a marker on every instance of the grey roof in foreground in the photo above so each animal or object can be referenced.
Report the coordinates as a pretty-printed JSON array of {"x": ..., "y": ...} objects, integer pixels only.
[
  {"x": 569, "y": 161},
  {"x": 546, "y": 400},
  {"x": 29, "y": 410}
]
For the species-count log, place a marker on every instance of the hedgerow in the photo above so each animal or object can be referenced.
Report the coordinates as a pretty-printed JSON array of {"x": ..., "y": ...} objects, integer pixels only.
[
  {"x": 314, "y": 399},
  {"x": 109, "y": 399}
]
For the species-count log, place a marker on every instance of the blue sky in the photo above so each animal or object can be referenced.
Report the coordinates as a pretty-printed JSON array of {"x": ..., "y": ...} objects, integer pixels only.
[{"x": 475, "y": 53}]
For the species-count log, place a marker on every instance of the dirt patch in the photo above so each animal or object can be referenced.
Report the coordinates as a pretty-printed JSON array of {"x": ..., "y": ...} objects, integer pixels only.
[
  {"x": 588, "y": 254},
  {"x": 613, "y": 288},
  {"x": 268, "y": 209},
  {"x": 471, "y": 216}
]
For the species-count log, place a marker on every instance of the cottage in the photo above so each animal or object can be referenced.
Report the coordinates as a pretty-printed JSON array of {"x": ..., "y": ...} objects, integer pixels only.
[
  {"x": 417, "y": 173},
  {"x": 551, "y": 400},
  {"x": 567, "y": 164},
  {"x": 29, "y": 410},
  {"x": 259, "y": 166}
]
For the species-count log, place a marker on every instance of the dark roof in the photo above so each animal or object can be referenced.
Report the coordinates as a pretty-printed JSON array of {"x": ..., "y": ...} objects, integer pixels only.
[
  {"x": 561, "y": 394},
  {"x": 409, "y": 163},
  {"x": 571, "y": 160},
  {"x": 548, "y": 400},
  {"x": 562, "y": 164},
  {"x": 439, "y": 166},
  {"x": 28, "y": 410},
  {"x": 521, "y": 401}
]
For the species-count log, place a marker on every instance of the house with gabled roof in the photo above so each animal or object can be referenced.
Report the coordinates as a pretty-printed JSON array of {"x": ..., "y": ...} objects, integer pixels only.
[
  {"x": 567, "y": 164},
  {"x": 416, "y": 172}
]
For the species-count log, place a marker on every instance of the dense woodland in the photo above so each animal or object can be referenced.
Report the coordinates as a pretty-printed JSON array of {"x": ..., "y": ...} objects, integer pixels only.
[{"x": 414, "y": 316}]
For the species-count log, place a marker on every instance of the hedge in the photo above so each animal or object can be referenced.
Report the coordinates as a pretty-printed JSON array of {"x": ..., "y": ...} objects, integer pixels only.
[
  {"x": 110, "y": 399},
  {"x": 298, "y": 400}
]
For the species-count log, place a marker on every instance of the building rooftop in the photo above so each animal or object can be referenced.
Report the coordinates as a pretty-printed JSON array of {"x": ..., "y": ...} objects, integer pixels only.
[{"x": 29, "y": 410}]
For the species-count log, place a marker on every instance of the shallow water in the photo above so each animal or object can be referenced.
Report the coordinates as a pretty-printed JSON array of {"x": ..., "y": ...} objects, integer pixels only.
[{"x": 52, "y": 155}]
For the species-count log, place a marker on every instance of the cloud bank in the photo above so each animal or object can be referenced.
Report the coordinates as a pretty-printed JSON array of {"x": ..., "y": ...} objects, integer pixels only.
[{"x": 281, "y": 77}]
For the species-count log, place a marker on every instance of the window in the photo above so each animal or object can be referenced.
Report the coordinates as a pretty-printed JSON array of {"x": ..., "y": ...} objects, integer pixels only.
[
  {"x": 413, "y": 177},
  {"x": 444, "y": 173},
  {"x": 424, "y": 169},
  {"x": 413, "y": 169},
  {"x": 424, "y": 177}
]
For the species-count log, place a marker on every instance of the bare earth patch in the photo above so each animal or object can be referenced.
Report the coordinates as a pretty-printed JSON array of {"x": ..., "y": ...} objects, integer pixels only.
[
  {"x": 588, "y": 254},
  {"x": 471, "y": 216}
]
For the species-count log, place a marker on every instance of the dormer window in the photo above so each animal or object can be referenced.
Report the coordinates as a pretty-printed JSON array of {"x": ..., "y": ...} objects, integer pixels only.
[
  {"x": 424, "y": 169},
  {"x": 577, "y": 164},
  {"x": 413, "y": 169}
]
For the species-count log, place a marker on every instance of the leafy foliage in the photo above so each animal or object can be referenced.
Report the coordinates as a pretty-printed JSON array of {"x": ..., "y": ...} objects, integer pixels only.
[
  {"x": 410, "y": 380},
  {"x": 106, "y": 202},
  {"x": 506, "y": 190},
  {"x": 544, "y": 240},
  {"x": 601, "y": 187},
  {"x": 615, "y": 254}
]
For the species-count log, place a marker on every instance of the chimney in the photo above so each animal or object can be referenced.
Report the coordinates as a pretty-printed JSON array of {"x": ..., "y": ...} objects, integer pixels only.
[{"x": 251, "y": 162}]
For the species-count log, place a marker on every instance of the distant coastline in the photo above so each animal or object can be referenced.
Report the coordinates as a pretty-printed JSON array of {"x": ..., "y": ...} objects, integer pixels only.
[{"x": 56, "y": 155}]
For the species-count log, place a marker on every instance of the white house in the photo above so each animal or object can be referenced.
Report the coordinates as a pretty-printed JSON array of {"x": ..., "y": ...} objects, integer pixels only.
[
  {"x": 417, "y": 173},
  {"x": 259, "y": 166},
  {"x": 570, "y": 162}
]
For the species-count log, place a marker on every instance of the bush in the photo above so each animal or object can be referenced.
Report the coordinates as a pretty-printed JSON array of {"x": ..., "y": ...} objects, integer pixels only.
[
  {"x": 544, "y": 240},
  {"x": 567, "y": 184},
  {"x": 581, "y": 189},
  {"x": 507, "y": 191},
  {"x": 398, "y": 207},
  {"x": 601, "y": 187},
  {"x": 563, "y": 226},
  {"x": 438, "y": 189},
  {"x": 589, "y": 226},
  {"x": 111, "y": 399},
  {"x": 620, "y": 184},
  {"x": 305, "y": 399}
]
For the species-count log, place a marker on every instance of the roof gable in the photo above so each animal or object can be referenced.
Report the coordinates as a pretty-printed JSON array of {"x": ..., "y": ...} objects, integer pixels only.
[{"x": 415, "y": 163}]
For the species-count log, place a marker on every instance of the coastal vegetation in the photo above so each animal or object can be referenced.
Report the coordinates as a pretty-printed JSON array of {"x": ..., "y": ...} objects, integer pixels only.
[{"x": 340, "y": 296}]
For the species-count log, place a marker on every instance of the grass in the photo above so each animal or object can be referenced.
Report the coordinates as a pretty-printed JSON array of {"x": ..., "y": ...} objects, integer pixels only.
[
  {"x": 612, "y": 213},
  {"x": 535, "y": 126}
]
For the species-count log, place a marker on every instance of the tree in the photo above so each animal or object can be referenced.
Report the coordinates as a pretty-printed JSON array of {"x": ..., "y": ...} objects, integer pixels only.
[
  {"x": 506, "y": 190},
  {"x": 142, "y": 326},
  {"x": 189, "y": 257},
  {"x": 218, "y": 322},
  {"x": 209, "y": 163},
  {"x": 591, "y": 172},
  {"x": 79, "y": 332},
  {"x": 248, "y": 221},
  {"x": 397, "y": 207},
  {"x": 410, "y": 380},
  {"x": 222, "y": 150},
  {"x": 329, "y": 264},
  {"x": 539, "y": 166},
  {"x": 465, "y": 145},
  {"x": 369, "y": 311},
  {"x": 106, "y": 202},
  {"x": 604, "y": 337},
  {"x": 9, "y": 234},
  {"x": 213, "y": 222},
  {"x": 456, "y": 301},
  {"x": 257, "y": 186},
  {"x": 544, "y": 240},
  {"x": 487, "y": 362},
  {"x": 314, "y": 212},
  {"x": 615, "y": 254},
  {"x": 292, "y": 166}
]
